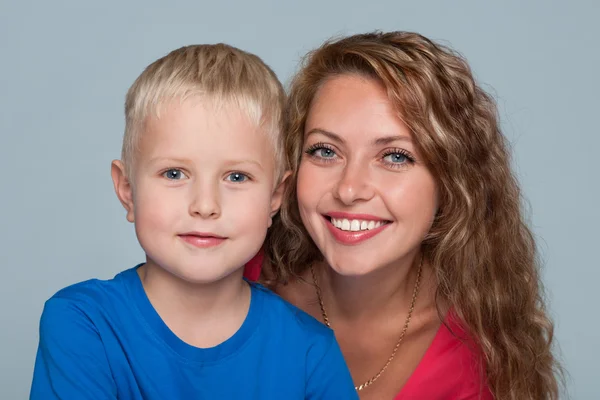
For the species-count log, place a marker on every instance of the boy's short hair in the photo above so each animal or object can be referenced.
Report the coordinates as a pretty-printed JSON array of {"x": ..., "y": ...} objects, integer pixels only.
[{"x": 223, "y": 73}]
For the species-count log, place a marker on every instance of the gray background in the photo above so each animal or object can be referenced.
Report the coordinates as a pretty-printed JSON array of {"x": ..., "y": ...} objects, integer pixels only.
[{"x": 66, "y": 65}]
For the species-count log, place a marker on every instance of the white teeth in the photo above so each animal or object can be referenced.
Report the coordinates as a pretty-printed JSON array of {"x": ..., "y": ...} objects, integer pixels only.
[{"x": 355, "y": 225}]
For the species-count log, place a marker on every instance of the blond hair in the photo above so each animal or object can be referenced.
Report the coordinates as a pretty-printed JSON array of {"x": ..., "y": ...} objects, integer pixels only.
[
  {"x": 483, "y": 254},
  {"x": 224, "y": 74}
]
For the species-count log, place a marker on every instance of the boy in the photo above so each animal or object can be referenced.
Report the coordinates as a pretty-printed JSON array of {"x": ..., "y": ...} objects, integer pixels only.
[{"x": 201, "y": 176}]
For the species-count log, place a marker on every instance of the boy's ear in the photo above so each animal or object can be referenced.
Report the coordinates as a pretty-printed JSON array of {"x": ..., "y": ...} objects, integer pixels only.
[
  {"x": 123, "y": 187},
  {"x": 277, "y": 197}
]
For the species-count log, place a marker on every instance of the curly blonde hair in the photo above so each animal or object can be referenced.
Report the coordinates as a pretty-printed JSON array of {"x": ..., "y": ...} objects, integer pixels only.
[{"x": 483, "y": 254}]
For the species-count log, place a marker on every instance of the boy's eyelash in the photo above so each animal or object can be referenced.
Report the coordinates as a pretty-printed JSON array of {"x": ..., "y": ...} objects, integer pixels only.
[
  {"x": 165, "y": 170},
  {"x": 246, "y": 174}
]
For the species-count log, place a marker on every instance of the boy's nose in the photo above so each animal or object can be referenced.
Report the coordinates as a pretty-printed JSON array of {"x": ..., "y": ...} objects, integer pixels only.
[{"x": 205, "y": 202}]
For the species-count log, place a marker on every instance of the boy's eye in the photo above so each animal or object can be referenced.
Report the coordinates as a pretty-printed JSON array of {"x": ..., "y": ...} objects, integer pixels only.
[
  {"x": 237, "y": 177},
  {"x": 174, "y": 174}
]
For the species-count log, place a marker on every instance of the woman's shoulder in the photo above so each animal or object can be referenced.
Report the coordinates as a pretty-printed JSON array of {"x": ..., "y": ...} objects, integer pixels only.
[
  {"x": 297, "y": 290},
  {"x": 300, "y": 291},
  {"x": 452, "y": 367}
]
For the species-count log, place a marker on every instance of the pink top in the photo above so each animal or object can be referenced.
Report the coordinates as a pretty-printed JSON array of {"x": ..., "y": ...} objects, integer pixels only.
[
  {"x": 253, "y": 267},
  {"x": 451, "y": 369}
]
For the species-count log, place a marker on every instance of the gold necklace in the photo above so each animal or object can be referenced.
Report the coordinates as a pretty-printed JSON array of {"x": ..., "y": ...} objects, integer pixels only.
[{"x": 402, "y": 334}]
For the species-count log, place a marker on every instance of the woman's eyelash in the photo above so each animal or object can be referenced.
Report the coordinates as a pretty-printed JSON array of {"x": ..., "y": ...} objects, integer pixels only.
[
  {"x": 399, "y": 151},
  {"x": 407, "y": 157},
  {"x": 321, "y": 152},
  {"x": 317, "y": 146},
  {"x": 404, "y": 153}
]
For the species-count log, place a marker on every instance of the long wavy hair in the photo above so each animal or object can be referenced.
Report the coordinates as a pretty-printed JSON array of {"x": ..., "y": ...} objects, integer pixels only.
[{"x": 480, "y": 248}]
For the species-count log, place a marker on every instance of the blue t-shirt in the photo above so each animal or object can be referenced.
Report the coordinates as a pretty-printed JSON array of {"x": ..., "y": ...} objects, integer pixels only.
[{"x": 104, "y": 340}]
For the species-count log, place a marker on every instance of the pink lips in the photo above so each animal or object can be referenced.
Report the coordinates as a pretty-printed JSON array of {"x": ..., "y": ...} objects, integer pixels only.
[
  {"x": 202, "y": 239},
  {"x": 352, "y": 237}
]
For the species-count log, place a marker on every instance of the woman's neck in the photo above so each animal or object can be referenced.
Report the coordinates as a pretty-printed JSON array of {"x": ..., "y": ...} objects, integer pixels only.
[{"x": 387, "y": 290}]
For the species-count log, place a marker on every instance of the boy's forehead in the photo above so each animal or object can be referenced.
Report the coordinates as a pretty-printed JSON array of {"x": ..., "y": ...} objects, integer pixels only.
[{"x": 198, "y": 128}]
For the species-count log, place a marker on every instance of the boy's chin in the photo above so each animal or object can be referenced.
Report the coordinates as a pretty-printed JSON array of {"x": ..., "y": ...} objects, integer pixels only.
[
  {"x": 199, "y": 275},
  {"x": 209, "y": 276}
]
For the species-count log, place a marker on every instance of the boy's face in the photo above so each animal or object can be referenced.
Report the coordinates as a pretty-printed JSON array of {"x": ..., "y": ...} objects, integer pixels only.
[{"x": 203, "y": 190}]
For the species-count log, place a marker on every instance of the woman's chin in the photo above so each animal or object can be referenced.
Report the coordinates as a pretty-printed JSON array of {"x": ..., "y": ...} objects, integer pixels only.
[{"x": 349, "y": 268}]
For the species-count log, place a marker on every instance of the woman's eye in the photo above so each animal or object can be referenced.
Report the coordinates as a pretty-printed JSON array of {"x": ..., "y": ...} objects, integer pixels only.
[
  {"x": 396, "y": 158},
  {"x": 319, "y": 151},
  {"x": 174, "y": 174},
  {"x": 325, "y": 153},
  {"x": 237, "y": 177}
]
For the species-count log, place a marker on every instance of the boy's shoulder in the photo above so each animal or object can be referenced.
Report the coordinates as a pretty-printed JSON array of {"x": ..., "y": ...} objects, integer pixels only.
[
  {"x": 91, "y": 295},
  {"x": 283, "y": 315},
  {"x": 95, "y": 287},
  {"x": 296, "y": 340}
]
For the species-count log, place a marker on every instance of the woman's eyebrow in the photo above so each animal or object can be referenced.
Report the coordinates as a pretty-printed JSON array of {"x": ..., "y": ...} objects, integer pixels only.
[
  {"x": 330, "y": 135},
  {"x": 376, "y": 142},
  {"x": 389, "y": 139}
]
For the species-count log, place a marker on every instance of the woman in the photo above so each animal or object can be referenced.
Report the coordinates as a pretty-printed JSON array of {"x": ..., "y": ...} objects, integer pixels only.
[{"x": 402, "y": 228}]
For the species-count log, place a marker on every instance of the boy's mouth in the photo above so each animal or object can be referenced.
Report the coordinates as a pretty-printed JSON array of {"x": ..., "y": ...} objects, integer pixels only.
[{"x": 202, "y": 239}]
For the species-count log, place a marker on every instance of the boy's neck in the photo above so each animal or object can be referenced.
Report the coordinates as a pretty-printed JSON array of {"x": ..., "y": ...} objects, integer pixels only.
[{"x": 202, "y": 315}]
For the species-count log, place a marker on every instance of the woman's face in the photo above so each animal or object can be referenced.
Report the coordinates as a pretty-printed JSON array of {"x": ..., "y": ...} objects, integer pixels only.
[{"x": 364, "y": 193}]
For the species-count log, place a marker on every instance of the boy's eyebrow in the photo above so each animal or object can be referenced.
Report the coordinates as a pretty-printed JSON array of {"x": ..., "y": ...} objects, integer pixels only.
[
  {"x": 169, "y": 159},
  {"x": 232, "y": 163},
  {"x": 376, "y": 142},
  {"x": 228, "y": 163}
]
